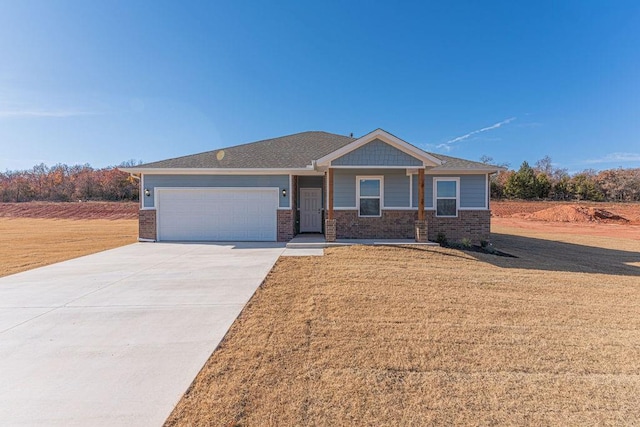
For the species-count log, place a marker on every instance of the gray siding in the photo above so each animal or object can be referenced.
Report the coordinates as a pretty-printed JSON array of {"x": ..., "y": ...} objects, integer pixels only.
[
  {"x": 344, "y": 189},
  {"x": 153, "y": 181},
  {"x": 376, "y": 153},
  {"x": 473, "y": 190},
  {"x": 396, "y": 187}
]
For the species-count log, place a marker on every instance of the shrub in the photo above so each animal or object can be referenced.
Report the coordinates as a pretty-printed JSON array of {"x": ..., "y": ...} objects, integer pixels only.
[
  {"x": 466, "y": 243},
  {"x": 442, "y": 239}
]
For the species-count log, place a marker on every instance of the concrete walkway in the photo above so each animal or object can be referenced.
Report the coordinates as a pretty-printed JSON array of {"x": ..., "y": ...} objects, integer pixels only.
[
  {"x": 315, "y": 241},
  {"x": 116, "y": 338}
]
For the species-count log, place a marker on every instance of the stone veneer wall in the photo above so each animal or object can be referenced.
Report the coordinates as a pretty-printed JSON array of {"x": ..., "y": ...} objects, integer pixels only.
[
  {"x": 392, "y": 225},
  {"x": 474, "y": 225},
  {"x": 147, "y": 224},
  {"x": 286, "y": 226}
]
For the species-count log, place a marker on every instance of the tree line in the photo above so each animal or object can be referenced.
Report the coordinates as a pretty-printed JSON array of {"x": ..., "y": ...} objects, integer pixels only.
[
  {"x": 544, "y": 181},
  {"x": 64, "y": 183}
]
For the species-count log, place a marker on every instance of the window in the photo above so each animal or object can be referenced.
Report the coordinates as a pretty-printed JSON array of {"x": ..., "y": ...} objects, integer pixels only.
[
  {"x": 369, "y": 195},
  {"x": 446, "y": 192}
]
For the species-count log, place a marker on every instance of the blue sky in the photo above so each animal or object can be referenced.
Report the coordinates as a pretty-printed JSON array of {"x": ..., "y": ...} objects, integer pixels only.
[{"x": 102, "y": 82}]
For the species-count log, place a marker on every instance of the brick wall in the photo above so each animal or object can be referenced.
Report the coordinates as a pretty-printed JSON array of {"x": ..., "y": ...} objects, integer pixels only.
[
  {"x": 421, "y": 231},
  {"x": 392, "y": 225},
  {"x": 330, "y": 230},
  {"x": 147, "y": 224},
  {"x": 285, "y": 225},
  {"x": 474, "y": 225}
]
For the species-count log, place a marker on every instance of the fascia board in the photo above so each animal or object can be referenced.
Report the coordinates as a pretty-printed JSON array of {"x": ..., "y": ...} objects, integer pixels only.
[
  {"x": 218, "y": 171},
  {"x": 460, "y": 171}
]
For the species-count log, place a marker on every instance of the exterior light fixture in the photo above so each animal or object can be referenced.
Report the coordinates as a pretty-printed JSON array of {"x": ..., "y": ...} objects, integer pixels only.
[
  {"x": 147, "y": 192},
  {"x": 284, "y": 192}
]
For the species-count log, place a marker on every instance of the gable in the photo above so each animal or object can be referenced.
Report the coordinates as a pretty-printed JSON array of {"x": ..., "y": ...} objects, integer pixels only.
[
  {"x": 377, "y": 153},
  {"x": 381, "y": 159}
]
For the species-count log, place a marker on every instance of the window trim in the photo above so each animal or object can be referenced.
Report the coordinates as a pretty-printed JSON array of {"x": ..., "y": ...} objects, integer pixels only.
[
  {"x": 381, "y": 196},
  {"x": 435, "y": 195}
]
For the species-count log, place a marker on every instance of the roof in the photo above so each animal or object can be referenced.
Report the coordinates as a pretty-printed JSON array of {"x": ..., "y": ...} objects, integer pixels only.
[
  {"x": 455, "y": 163},
  {"x": 289, "y": 152}
]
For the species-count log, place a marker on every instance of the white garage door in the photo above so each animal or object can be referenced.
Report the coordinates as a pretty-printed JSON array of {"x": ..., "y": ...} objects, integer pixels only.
[{"x": 217, "y": 214}]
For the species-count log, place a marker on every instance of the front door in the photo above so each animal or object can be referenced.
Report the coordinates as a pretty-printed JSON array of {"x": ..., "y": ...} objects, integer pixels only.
[{"x": 311, "y": 210}]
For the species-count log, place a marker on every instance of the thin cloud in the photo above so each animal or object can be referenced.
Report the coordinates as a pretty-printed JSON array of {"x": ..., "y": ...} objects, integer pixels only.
[
  {"x": 447, "y": 145},
  {"x": 44, "y": 113},
  {"x": 616, "y": 157}
]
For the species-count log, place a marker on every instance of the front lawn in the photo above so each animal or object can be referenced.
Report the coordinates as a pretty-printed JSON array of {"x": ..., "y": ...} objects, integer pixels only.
[
  {"x": 419, "y": 336},
  {"x": 27, "y": 243}
]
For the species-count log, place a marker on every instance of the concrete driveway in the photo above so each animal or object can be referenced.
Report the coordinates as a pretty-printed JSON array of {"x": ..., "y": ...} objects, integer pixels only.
[{"x": 116, "y": 338}]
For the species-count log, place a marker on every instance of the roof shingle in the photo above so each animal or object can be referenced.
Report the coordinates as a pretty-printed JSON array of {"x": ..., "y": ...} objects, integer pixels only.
[
  {"x": 455, "y": 163},
  {"x": 291, "y": 151}
]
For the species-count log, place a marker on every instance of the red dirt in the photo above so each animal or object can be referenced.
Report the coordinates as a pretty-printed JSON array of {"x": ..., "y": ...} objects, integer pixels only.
[
  {"x": 621, "y": 220},
  {"x": 575, "y": 213},
  {"x": 583, "y": 212},
  {"x": 70, "y": 210}
]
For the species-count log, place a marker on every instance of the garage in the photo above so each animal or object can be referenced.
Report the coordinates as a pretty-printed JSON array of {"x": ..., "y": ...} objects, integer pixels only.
[{"x": 217, "y": 214}]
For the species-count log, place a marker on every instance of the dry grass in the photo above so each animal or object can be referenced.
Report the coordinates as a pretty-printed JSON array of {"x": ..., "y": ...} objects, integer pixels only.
[
  {"x": 408, "y": 336},
  {"x": 27, "y": 243}
]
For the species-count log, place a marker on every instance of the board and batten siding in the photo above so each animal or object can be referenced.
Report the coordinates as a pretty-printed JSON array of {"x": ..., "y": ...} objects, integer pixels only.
[
  {"x": 473, "y": 190},
  {"x": 154, "y": 181},
  {"x": 396, "y": 187},
  {"x": 376, "y": 153}
]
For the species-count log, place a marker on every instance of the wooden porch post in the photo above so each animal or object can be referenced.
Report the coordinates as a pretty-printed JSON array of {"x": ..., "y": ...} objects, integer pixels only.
[
  {"x": 330, "y": 233},
  {"x": 330, "y": 194},
  {"x": 421, "y": 224},
  {"x": 421, "y": 194}
]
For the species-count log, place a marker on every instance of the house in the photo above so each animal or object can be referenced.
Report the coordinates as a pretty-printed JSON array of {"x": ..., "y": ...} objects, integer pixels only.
[{"x": 375, "y": 186}]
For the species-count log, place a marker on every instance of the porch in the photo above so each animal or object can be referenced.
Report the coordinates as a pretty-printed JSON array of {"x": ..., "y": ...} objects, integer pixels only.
[{"x": 314, "y": 212}]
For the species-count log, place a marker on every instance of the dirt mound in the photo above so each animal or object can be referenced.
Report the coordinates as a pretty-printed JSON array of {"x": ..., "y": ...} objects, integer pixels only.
[
  {"x": 604, "y": 211},
  {"x": 575, "y": 213},
  {"x": 70, "y": 210}
]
